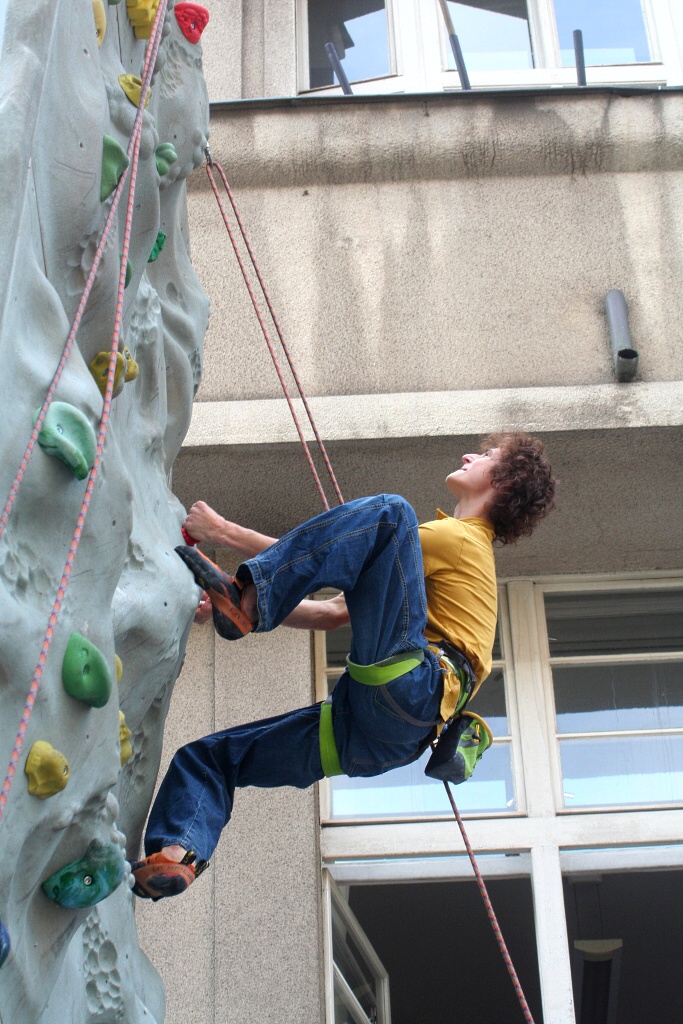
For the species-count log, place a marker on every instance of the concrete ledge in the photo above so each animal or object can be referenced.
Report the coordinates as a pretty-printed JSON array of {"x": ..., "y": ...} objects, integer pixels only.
[
  {"x": 440, "y": 414},
  {"x": 446, "y": 137}
]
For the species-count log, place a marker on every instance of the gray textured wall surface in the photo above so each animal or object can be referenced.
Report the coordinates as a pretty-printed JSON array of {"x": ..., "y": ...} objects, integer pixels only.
[
  {"x": 128, "y": 594},
  {"x": 447, "y": 243}
]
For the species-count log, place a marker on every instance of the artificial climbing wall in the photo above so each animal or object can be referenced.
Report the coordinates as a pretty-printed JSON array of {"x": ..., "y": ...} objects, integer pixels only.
[{"x": 69, "y": 86}]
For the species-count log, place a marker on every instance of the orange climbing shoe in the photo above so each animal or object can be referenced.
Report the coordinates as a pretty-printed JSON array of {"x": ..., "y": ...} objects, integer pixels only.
[
  {"x": 225, "y": 594},
  {"x": 157, "y": 877}
]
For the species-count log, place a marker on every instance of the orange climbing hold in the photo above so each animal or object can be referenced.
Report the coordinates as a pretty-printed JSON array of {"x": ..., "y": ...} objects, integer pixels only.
[{"x": 192, "y": 19}]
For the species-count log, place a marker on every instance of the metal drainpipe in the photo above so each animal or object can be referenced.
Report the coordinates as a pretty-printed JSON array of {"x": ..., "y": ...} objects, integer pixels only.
[{"x": 624, "y": 356}]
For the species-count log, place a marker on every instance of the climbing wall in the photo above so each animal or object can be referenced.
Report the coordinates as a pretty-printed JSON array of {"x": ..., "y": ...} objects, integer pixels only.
[{"x": 74, "y": 806}]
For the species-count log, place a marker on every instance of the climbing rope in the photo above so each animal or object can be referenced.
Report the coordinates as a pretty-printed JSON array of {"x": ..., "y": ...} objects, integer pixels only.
[
  {"x": 212, "y": 163},
  {"x": 490, "y": 911},
  {"x": 133, "y": 154}
]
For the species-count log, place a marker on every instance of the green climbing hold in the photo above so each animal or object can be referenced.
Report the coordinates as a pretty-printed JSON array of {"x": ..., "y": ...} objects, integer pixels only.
[
  {"x": 47, "y": 770},
  {"x": 114, "y": 162},
  {"x": 157, "y": 247},
  {"x": 85, "y": 672},
  {"x": 165, "y": 155},
  {"x": 68, "y": 435},
  {"x": 87, "y": 881}
]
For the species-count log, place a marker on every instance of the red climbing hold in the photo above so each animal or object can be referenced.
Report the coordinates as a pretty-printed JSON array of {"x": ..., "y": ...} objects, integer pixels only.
[{"x": 193, "y": 19}]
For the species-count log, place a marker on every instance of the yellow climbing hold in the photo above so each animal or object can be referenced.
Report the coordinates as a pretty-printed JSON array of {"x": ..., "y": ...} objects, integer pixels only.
[
  {"x": 100, "y": 20},
  {"x": 141, "y": 15},
  {"x": 132, "y": 368},
  {"x": 132, "y": 86},
  {"x": 99, "y": 368},
  {"x": 47, "y": 770},
  {"x": 119, "y": 668},
  {"x": 125, "y": 746}
]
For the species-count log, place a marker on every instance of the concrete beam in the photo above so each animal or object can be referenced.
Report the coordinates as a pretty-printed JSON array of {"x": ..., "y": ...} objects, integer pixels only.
[{"x": 439, "y": 414}]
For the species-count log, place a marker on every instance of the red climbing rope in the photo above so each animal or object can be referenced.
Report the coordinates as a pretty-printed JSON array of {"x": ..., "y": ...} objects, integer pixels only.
[
  {"x": 491, "y": 912},
  {"x": 212, "y": 163},
  {"x": 133, "y": 153}
]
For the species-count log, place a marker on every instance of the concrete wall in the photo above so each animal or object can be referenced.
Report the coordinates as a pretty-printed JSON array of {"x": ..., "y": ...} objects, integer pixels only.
[{"x": 243, "y": 945}]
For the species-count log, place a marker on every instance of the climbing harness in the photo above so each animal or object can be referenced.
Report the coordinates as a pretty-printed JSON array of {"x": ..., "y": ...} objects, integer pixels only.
[
  {"x": 210, "y": 163},
  {"x": 133, "y": 154},
  {"x": 475, "y": 735}
]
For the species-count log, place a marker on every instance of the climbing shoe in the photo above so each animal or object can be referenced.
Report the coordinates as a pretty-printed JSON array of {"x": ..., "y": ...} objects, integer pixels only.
[
  {"x": 157, "y": 877},
  {"x": 225, "y": 594}
]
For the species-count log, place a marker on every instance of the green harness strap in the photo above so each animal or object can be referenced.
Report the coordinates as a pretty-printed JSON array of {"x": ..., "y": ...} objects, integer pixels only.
[
  {"x": 385, "y": 671},
  {"x": 370, "y": 675},
  {"x": 329, "y": 756}
]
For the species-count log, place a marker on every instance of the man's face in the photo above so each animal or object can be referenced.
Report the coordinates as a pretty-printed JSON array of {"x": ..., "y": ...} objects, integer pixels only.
[{"x": 474, "y": 476}]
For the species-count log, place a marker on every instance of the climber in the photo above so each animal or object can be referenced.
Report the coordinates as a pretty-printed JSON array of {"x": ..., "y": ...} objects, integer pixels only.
[{"x": 422, "y": 605}]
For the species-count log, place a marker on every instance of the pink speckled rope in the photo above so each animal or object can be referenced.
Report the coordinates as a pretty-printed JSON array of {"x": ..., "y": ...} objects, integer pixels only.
[
  {"x": 491, "y": 913},
  {"x": 133, "y": 154},
  {"x": 278, "y": 331}
]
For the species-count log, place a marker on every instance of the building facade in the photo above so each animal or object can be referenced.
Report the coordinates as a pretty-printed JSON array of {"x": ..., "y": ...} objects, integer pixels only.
[{"x": 439, "y": 261}]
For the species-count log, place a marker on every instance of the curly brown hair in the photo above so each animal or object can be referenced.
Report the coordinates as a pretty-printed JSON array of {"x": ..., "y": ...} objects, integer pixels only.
[{"x": 524, "y": 484}]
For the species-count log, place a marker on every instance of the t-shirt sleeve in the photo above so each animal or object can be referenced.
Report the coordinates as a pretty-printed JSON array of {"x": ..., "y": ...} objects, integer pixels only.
[{"x": 441, "y": 542}]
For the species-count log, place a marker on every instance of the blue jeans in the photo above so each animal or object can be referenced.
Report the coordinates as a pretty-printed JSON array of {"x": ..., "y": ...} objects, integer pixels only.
[{"x": 370, "y": 549}]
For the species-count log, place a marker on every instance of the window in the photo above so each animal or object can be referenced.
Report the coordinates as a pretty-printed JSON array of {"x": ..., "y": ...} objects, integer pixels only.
[
  {"x": 617, "y": 667},
  {"x": 586, "y": 700},
  {"x": 403, "y": 46}
]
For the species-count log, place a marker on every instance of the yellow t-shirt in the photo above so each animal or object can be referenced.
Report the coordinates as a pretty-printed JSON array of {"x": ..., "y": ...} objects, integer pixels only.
[{"x": 460, "y": 580}]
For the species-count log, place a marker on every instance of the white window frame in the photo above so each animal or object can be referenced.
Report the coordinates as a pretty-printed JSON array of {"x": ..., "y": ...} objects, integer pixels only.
[
  {"x": 548, "y": 842},
  {"x": 334, "y": 979},
  {"x": 419, "y": 48}
]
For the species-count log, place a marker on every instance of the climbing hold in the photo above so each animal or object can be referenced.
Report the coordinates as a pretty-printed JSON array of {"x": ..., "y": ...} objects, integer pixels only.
[
  {"x": 157, "y": 247},
  {"x": 99, "y": 368},
  {"x": 129, "y": 271},
  {"x": 47, "y": 770},
  {"x": 141, "y": 14},
  {"x": 132, "y": 87},
  {"x": 85, "y": 673},
  {"x": 165, "y": 155},
  {"x": 132, "y": 368},
  {"x": 113, "y": 3},
  {"x": 192, "y": 19},
  {"x": 125, "y": 746},
  {"x": 68, "y": 435},
  {"x": 119, "y": 668},
  {"x": 100, "y": 20},
  {"x": 87, "y": 881},
  {"x": 114, "y": 163},
  {"x": 4, "y": 944}
]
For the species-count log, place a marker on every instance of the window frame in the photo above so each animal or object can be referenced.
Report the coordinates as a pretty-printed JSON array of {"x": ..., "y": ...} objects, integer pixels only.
[
  {"x": 419, "y": 48},
  {"x": 599, "y": 586}
]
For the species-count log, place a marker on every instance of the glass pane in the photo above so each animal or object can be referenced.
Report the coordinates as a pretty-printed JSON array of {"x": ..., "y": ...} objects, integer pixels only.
[
  {"x": 622, "y": 770},
  {"x": 489, "y": 702},
  {"x": 407, "y": 792},
  {"x": 613, "y": 31},
  {"x": 358, "y": 30},
  {"x": 352, "y": 964},
  {"x": 343, "y": 1014},
  {"x": 493, "y": 35},
  {"x": 605, "y": 698},
  {"x": 615, "y": 622}
]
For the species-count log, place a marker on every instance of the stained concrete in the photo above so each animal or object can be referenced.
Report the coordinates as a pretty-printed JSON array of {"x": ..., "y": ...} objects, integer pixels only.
[
  {"x": 128, "y": 593},
  {"x": 447, "y": 243}
]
